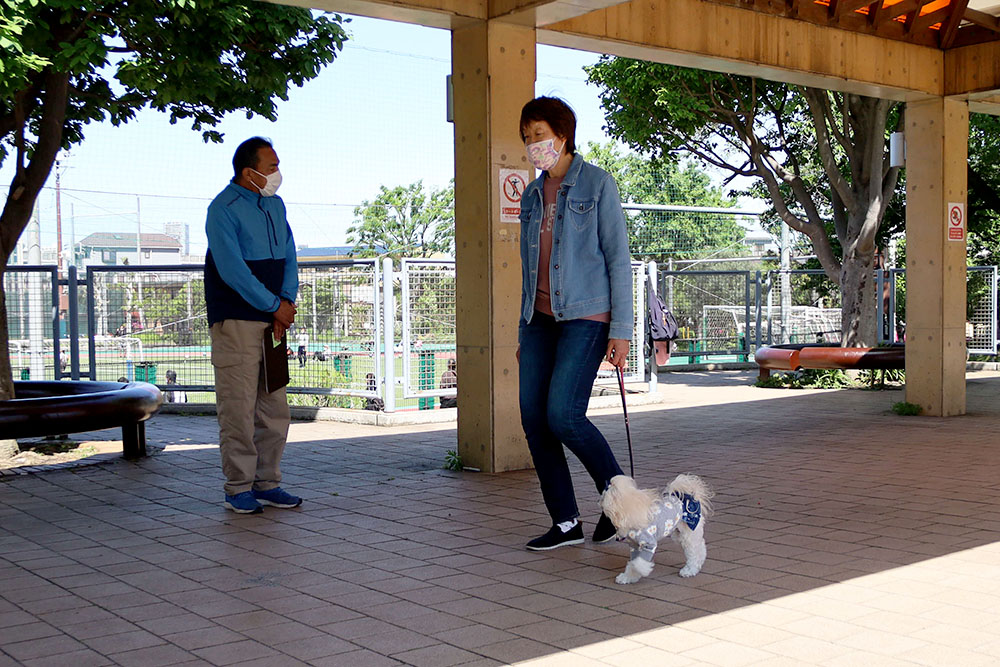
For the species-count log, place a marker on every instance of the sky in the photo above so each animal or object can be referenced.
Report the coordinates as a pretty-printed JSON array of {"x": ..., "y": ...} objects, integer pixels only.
[{"x": 375, "y": 116}]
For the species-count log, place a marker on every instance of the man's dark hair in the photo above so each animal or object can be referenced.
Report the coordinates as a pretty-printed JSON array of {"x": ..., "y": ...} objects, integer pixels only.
[
  {"x": 246, "y": 154},
  {"x": 556, "y": 113}
]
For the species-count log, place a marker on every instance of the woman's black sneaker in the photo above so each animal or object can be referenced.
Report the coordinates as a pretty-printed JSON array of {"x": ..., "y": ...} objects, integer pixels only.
[
  {"x": 555, "y": 538},
  {"x": 604, "y": 531}
]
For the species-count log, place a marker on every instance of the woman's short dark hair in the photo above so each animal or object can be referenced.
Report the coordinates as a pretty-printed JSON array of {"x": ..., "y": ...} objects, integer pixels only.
[
  {"x": 556, "y": 113},
  {"x": 246, "y": 154}
]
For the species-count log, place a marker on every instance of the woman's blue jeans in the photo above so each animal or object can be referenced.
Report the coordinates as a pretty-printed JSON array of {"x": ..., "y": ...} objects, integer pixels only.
[{"x": 559, "y": 362}]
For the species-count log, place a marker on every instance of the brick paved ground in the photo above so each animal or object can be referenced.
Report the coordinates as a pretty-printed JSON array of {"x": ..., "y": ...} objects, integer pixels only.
[{"x": 843, "y": 535}]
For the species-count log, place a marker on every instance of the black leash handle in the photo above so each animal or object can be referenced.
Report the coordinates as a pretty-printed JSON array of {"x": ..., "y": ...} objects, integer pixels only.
[{"x": 628, "y": 433}]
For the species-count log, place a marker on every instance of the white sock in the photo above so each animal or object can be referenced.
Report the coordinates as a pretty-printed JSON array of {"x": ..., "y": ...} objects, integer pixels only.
[{"x": 567, "y": 526}]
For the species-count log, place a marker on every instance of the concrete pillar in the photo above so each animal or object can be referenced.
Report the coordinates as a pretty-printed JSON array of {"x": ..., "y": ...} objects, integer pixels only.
[
  {"x": 493, "y": 75},
  {"x": 937, "y": 146}
]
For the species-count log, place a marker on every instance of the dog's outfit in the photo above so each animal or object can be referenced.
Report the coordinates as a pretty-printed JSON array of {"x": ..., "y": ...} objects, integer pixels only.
[{"x": 667, "y": 513}]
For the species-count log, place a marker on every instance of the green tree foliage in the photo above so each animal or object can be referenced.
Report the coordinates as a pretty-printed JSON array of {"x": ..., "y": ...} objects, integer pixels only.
[
  {"x": 984, "y": 189},
  {"x": 405, "y": 221},
  {"x": 659, "y": 235},
  {"x": 67, "y": 63},
  {"x": 811, "y": 149}
]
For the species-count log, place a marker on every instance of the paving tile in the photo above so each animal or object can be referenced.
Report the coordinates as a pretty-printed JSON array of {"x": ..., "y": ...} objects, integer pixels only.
[
  {"x": 84, "y": 658},
  {"x": 203, "y": 637},
  {"x": 358, "y": 658},
  {"x": 43, "y": 648},
  {"x": 235, "y": 653},
  {"x": 438, "y": 655},
  {"x": 164, "y": 654},
  {"x": 318, "y": 646}
]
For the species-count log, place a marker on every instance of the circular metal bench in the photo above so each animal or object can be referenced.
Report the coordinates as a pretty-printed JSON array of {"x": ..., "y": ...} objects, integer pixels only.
[
  {"x": 53, "y": 408},
  {"x": 792, "y": 357}
]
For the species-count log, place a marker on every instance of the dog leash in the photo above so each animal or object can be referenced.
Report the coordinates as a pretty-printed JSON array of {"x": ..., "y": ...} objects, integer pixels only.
[{"x": 628, "y": 434}]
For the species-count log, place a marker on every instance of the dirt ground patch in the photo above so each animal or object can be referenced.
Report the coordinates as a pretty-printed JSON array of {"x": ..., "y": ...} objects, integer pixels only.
[{"x": 49, "y": 451}]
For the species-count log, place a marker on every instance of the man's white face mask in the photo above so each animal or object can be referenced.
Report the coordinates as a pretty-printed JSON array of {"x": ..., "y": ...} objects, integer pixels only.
[{"x": 272, "y": 185}]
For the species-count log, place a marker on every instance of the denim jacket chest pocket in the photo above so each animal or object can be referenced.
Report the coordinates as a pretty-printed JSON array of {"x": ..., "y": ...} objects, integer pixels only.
[{"x": 582, "y": 211}]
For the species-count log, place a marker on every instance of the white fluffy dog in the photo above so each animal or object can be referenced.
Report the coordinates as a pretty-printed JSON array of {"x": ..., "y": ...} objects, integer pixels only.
[{"x": 642, "y": 517}]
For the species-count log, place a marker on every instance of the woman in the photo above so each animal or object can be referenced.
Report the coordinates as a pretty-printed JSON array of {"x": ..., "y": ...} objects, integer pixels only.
[{"x": 576, "y": 311}]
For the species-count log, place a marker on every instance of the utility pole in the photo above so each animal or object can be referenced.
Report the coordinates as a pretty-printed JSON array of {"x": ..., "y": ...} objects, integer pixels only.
[
  {"x": 59, "y": 256},
  {"x": 72, "y": 235},
  {"x": 138, "y": 233},
  {"x": 36, "y": 309}
]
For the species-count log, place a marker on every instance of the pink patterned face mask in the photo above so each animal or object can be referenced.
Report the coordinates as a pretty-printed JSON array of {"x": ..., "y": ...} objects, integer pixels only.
[{"x": 543, "y": 154}]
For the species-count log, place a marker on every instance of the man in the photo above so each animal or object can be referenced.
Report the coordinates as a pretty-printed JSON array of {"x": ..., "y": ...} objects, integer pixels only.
[
  {"x": 303, "y": 342},
  {"x": 251, "y": 281}
]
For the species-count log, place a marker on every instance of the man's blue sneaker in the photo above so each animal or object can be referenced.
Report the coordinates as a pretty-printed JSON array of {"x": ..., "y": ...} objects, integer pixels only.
[
  {"x": 277, "y": 497},
  {"x": 243, "y": 503}
]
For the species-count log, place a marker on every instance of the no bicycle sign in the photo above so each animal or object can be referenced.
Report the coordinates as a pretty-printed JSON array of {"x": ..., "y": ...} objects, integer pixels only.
[{"x": 512, "y": 184}]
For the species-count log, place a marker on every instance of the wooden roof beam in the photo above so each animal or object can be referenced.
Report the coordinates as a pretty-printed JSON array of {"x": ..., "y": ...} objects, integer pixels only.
[
  {"x": 845, "y": 7},
  {"x": 900, "y": 8},
  {"x": 724, "y": 37},
  {"x": 982, "y": 19},
  {"x": 922, "y": 22},
  {"x": 972, "y": 70},
  {"x": 874, "y": 12},
  {"x": 949, "y": 29}
]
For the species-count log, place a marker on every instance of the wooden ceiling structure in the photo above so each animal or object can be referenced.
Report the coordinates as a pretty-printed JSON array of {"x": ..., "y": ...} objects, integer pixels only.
[
  {"x": 898, "y": 49},
  {"x": 944, "y": 24}
]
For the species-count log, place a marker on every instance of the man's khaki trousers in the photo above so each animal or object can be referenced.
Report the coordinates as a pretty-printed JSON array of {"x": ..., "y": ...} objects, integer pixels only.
[{"x": 253, "y": 424}]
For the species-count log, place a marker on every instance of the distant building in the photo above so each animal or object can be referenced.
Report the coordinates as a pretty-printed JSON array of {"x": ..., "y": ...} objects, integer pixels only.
[
  {"x": 116, "y": 249},
  {"x": 325, "y": 253},
  {"x": 759, "y": 242},
  {"x": 181, "y": 232},
  {"x": 328, "y": 253}
]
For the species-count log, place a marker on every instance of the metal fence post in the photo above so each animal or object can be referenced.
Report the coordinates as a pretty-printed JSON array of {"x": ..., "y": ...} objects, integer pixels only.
[
  {"x": 91, "y": 327},
  {"x": 56, "y": 365},
  {"x": 389, "y": 323},
  {"x": 880, "y": 337},
  {"x": 73, "y": 313},
  {"x": 757, "y": 299},
  {"x": 993, "y": 303},
  {"x": 893, "y": 274},
  {"x": 651, "y": 359}
]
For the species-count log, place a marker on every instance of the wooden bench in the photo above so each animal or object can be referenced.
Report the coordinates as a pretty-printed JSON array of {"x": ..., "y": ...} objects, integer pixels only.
[{"x": 52, "y": 408}]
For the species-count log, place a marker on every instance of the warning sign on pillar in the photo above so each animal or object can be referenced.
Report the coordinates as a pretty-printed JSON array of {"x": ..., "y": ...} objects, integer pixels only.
[
  {"x": 512, "y": 184},
  {"x": 956, "y": 221}
]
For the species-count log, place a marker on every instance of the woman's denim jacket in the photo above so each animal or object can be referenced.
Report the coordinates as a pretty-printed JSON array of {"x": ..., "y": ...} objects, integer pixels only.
[{"x": 590, "y": 269}]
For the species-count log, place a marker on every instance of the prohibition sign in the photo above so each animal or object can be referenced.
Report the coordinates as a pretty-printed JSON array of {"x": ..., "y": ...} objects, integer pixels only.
[
  {"x": 513, "y": 186},
  {"x": 956, "y": 222}
]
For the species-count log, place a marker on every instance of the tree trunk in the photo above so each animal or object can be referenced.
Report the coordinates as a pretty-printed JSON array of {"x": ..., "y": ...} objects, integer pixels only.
[
  {"x": 26, "y": 185},
  {"x": 857, "y": 290}
]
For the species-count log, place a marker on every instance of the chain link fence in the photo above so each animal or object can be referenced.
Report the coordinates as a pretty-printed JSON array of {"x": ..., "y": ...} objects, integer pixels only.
[
  {"x": 801, "y": 306},
  {"x": 427, "y": 345},
  {"x": 33, "y": 325},
  {"x": 149, "y": 324},
  {"x": 715, "y": 313}
]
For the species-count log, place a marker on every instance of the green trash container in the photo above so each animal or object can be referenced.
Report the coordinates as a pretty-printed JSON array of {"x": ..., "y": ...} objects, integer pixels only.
[
  {"x": 25, "y": 373},
  {"x": 425, "y": 378},
  {"x": 145, "y": 371}
]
